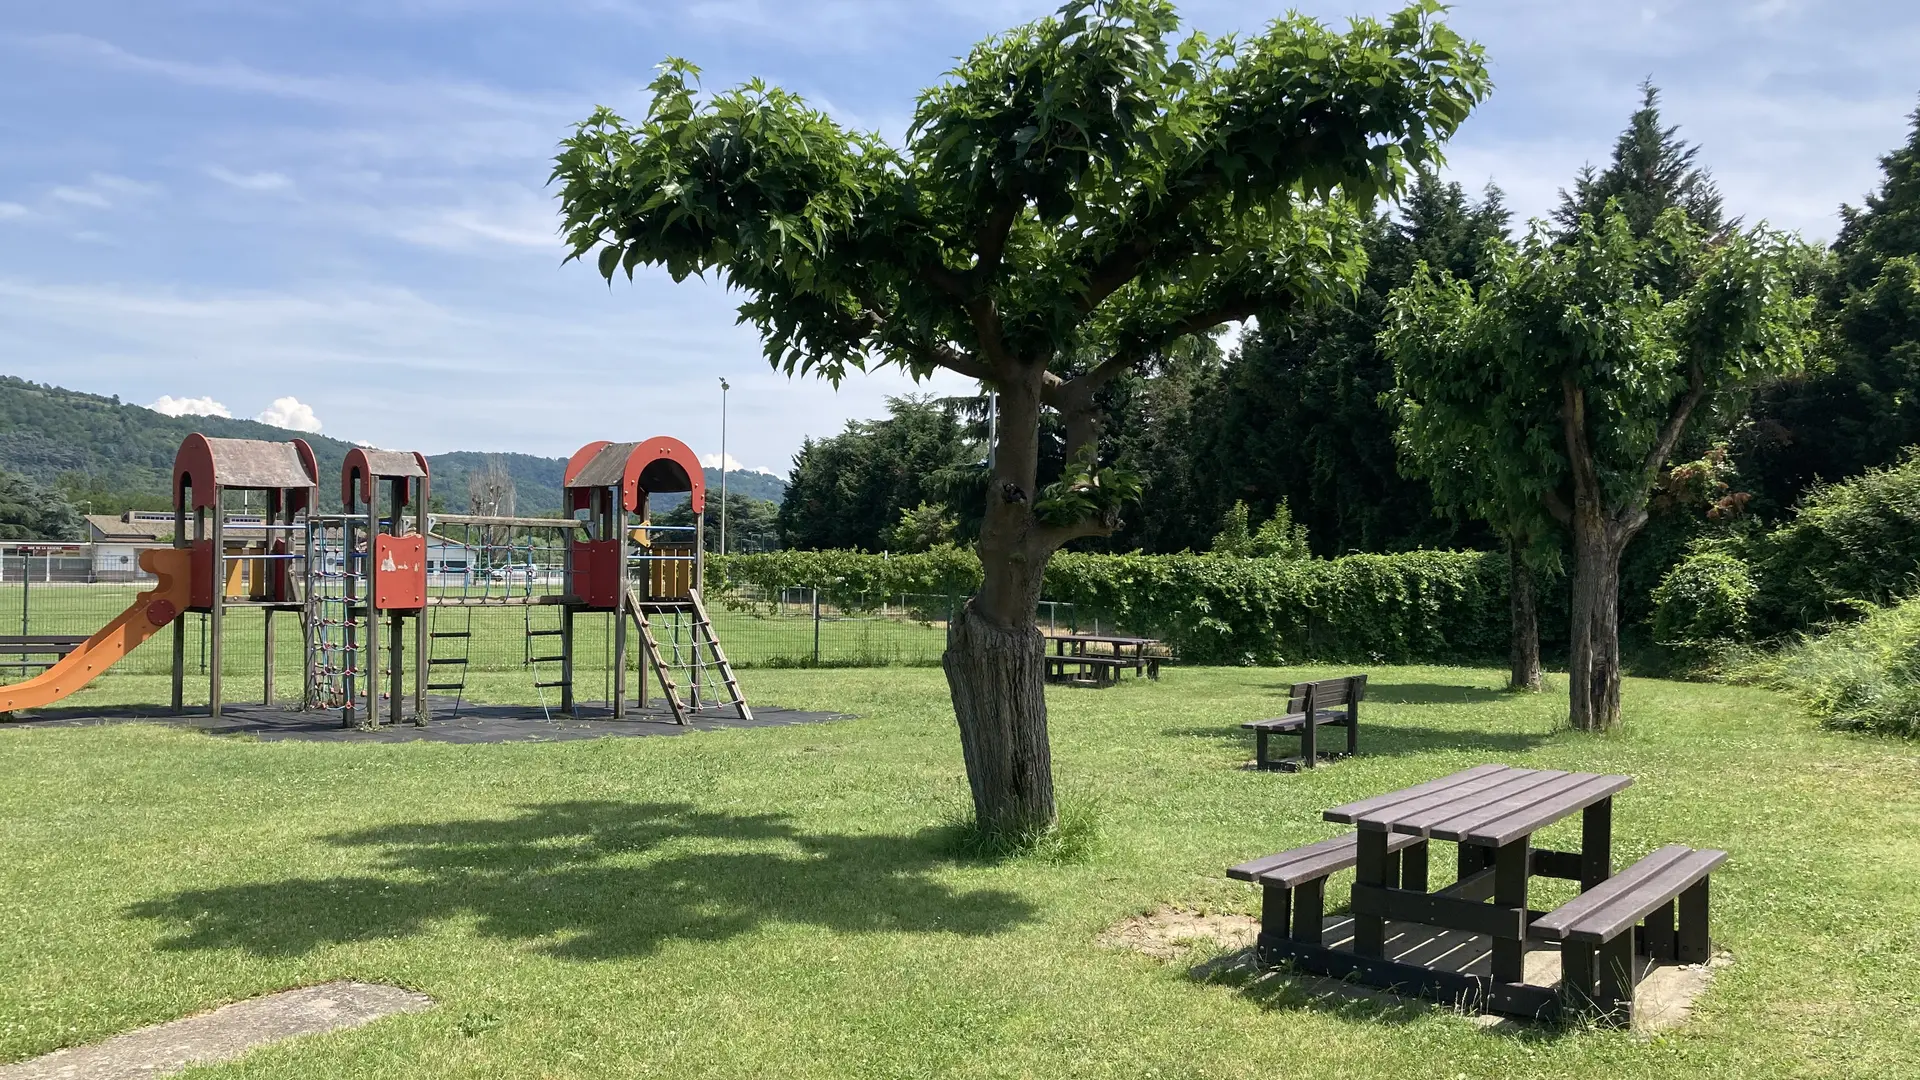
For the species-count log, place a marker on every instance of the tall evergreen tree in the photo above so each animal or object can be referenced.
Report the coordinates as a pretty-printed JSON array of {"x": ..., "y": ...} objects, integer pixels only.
[
  {"x": 1296, "y": 415},
  {"x": 31, "y": 512},
  {"x": 1864, "y": 407},
  {"x": 1652, "y": 171},
  {"x": 848, "y": 491}
]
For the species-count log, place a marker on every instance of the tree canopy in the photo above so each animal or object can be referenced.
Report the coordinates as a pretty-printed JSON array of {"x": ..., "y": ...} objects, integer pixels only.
[
  {"x": 31, "y": 512},
  {"x": 1569, "y": 375},
  {"x": 1079, "y": 194}
]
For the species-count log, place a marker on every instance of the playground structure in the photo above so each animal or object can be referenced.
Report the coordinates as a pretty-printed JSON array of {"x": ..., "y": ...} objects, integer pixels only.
[
  {"x": 240, "y": 571},
  {"x": 355, "y": 578}
]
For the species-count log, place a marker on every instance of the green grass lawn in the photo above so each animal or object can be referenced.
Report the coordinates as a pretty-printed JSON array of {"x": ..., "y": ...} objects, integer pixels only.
[{"x": 784, "y": 902}]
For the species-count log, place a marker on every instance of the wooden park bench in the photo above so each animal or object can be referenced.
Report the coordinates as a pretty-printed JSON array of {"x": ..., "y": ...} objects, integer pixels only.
[
  {"x": 1311, "y": 706},
  {"x": 1293, "y": 885},
  {"x": 1088, "y": 670},
  {"x": 1596, "y": 928},
  {"x": 15, "y": 649}
]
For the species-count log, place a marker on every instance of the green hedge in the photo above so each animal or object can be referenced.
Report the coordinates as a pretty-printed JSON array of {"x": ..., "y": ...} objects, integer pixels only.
[
  {"x": 1417, "y": 606},
  {"x": 1858, "y": 540}
]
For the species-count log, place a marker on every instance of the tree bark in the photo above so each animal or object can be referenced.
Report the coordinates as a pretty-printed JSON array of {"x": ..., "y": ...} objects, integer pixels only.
[
  {"x": 1593, "y": 669},
  {"x": 995, "y": 658},
  {"x": 1525, "y": 652}
]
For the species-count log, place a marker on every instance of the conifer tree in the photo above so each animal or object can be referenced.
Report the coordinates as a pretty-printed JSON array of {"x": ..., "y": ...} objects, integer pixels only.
[{"x": 1653, "y": 170}]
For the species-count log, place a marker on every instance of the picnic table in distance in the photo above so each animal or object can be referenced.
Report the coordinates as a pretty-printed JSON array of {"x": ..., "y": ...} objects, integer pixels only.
[{"x": 1098, "y": 659}]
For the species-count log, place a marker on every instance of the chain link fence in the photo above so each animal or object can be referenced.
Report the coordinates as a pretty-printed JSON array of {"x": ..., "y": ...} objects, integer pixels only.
[{"x": 75, "y": 589}]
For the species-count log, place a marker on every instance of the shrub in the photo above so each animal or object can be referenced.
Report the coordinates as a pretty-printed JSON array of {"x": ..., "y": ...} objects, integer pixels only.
[
  {"x": 1863, "y": 676},
  {"x": 1854, "y": 541},
  {"x": 1705, "y": 601}
]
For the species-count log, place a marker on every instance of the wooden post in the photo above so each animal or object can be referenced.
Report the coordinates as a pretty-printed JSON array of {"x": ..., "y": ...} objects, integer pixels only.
[
  {"x": 1309, "y": 735},
  {"x": 1353, "y": 718},
  {"x": 1369, "y": 931},
  {"x": 1596, "y": 843},
  {"x": 1577, "y": 974},
  {"x": 1615, "y": 995},
  {"x": 1694, "y": 944},
  {"x": 566, "y": 659},
  {"x": 422, "y": 647},
  {"x": 1309, "y": 911},
  {"x": 219, "y": 605},
  {"x": 1413, "y": 867},
  {"x": 266, "y": 666},
  {"x": 1659, "y": 942},
  {"x": 1510, "y": 891},
  {"x": 396, "y": 667},
  {"x": 1276, "y": 909},
  {"x": 620, "y": 610}
]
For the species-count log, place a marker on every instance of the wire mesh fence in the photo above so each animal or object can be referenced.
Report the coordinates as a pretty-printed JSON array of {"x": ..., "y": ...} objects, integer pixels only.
[{"x": 75, "y": 589}]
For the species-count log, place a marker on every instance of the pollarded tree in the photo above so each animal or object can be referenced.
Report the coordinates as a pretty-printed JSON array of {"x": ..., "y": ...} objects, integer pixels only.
[
  {"x": 1088, "y": 181},
  {"x": 1570, "y": 373}
]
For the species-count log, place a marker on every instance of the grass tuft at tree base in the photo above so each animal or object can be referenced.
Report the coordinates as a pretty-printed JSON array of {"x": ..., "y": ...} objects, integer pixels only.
[{"x": 1073, "y": 837}]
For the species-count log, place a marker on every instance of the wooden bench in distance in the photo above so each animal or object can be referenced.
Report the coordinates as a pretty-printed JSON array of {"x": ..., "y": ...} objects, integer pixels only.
[
  {"x": 1596, "y": 928},
  {"x": 54, "y": 647},
  {"x": 1088, "y": 670},
  {"x": 1293, "y": 885},
  {"x": 1322, "y": 702}
]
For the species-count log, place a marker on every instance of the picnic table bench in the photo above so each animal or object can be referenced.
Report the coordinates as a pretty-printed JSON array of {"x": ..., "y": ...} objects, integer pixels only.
[
  {"x": 1311, "y": 706},
  {"x": 1071, "y": 661},
  {"x": 1491, "y": 813}
]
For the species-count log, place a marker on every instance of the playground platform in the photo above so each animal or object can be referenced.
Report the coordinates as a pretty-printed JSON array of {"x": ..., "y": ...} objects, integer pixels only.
[{"x": 474, "y": 724}]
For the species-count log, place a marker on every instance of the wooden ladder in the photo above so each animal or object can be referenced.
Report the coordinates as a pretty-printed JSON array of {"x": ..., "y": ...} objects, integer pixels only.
[{"x": 703, "y": 635}]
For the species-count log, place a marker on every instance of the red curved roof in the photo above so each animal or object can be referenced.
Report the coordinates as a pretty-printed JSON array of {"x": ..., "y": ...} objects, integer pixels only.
[
  {"x": 661, "y": 465},
  {"x": 369, "y": 464},
  {"x": 203, "y": 464}
]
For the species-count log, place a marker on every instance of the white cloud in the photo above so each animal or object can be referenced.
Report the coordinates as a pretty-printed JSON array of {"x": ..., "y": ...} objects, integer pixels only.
[
  {"x": 290, "y": 413},
  {"x": 257, "y": 181},
  {"x": 168, "y": 405},
  {"x": 11, "y": 210},
  {"x": 103, "y": 191},
  {"x": 81, "y": 197}
]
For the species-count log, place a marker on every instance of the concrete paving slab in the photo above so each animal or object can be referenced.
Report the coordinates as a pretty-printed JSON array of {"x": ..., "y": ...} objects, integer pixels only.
[{"x": 224, "y": 1034}]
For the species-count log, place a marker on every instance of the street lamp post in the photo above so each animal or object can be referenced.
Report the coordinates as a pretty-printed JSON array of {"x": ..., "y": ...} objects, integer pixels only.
[{"x": 723, "y": 465}]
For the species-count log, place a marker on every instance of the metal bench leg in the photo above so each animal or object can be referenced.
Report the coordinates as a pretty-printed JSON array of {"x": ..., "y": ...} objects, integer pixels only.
[
  {"x": 1276, "y": 905},
  {"x": 1694, "y": 946},
  {"x": 1658, "y": 941},
  {"x": 1615, "y": 996},
  {"x": 1309, "y": 742},
  {"x": 1413, "y": 867},
  {"x": 1309, "y": 911},
  {"x": 1260, "y": 749},
  {"x": 1353, "y": 728}
]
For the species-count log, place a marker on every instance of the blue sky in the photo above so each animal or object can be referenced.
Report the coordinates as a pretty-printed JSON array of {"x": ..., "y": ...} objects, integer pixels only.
[{"x": 334, "y": 213}]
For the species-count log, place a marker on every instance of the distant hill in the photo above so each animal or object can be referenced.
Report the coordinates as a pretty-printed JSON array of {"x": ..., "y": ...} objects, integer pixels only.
[{"x": 109, "y": 451}]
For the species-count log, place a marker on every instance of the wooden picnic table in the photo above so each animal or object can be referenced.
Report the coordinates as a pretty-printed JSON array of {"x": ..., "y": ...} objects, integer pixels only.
[
  {"x": 1491, "y": 812},
  {"x": 1122, "y": 650}
]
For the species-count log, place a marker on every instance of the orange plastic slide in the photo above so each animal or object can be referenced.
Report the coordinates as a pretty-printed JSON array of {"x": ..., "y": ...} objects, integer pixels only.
[{"x": 150, "y": 611}]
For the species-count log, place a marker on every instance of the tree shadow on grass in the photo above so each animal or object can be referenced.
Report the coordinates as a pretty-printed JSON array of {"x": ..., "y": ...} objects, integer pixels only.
[
  {"x": 593, "y": 881},
  {"x": 1284, "y": 988}
]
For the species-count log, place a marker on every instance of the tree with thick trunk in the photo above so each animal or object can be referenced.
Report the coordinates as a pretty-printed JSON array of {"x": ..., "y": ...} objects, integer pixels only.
[
  {"x": 1524, "y": 651},
  {"x": 1087, "y": 185},
  {"x": 1565, "y": 380}
]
